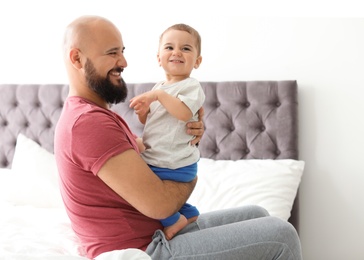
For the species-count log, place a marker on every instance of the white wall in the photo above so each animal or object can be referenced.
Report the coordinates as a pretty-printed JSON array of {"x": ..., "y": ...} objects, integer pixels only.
[{"x": 325, "y": 55}]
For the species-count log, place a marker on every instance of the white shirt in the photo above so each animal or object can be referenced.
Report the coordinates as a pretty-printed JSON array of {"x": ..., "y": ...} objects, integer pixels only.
[{"x": 167, "y": 143}]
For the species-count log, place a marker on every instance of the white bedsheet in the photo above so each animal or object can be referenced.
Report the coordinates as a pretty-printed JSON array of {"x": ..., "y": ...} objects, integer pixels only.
[
  {"x": 37, "y": 232},
  {"x": 31, "y": 233}
]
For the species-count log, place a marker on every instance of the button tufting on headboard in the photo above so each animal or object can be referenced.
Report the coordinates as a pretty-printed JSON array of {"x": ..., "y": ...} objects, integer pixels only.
[
  {"x": 32, "y": 110},
  {"x": 240, "y": 117}
]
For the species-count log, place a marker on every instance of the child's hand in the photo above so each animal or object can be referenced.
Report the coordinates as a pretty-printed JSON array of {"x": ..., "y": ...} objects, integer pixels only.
[{"x": 141, "y": 103}]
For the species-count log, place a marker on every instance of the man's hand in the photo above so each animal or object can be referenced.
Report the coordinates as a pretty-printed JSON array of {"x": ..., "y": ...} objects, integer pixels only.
[{"x": 197, "y": 128}]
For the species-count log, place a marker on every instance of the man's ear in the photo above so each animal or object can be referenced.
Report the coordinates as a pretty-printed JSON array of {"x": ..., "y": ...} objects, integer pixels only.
[
  {"x": 75, "y": 58},
  {"x": 198, "y": 62}
]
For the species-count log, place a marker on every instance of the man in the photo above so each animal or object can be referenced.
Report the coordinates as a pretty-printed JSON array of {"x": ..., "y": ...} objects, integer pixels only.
[{"x": 113, "y": 199}]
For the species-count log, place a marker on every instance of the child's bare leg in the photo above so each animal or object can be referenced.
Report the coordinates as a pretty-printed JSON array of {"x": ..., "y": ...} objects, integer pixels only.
[
  {"x": 172, "y": 230},
  {"x": 193, "y": 219}
]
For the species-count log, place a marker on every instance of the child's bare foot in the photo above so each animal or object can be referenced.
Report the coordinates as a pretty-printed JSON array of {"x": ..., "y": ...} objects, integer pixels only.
[
  {"x": 193, "y": 219},
  {"x": 170, "y": 231}
]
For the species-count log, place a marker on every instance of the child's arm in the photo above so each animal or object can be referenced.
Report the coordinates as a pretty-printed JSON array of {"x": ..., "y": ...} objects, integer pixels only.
[
  {"x": 141, "y": 105},
  {"x": 140, "y": 143},
  {"x": 143, "y": 117},
  {"x": 173, "y": 105}
]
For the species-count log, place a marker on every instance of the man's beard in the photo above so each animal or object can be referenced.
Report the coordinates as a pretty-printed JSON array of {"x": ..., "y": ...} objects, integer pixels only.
[{"x": 108, "y": 91}]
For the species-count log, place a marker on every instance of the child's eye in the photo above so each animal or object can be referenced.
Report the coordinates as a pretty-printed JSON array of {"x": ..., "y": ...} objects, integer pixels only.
[
  {"x": 169, "y": 48},
  {"x": 186, "y": 49}
]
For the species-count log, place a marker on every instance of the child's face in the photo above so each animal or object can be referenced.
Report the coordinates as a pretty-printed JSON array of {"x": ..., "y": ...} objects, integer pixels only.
[{"x": 178, "y": 53}]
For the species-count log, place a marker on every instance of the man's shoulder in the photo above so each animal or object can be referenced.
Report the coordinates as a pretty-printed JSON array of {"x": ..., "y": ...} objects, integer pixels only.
[{"x": 78, "y": 106}]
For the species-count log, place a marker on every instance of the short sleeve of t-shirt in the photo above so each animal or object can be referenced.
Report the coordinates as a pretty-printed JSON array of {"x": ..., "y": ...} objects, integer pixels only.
[
  {"x": 192, "y": 95},
  {"x": 97, "y": 136}
]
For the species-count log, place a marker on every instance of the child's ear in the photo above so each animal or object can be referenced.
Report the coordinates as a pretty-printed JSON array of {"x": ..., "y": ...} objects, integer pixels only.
[
  {"x": 159, "y": 60},
  {"x": 198, "y": 62}
]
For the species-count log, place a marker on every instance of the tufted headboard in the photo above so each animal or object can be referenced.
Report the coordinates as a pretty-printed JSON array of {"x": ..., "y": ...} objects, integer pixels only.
[{"x": 243, "y": 119}]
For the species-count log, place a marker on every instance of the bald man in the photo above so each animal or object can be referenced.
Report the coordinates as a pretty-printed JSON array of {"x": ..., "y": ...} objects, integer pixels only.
[{"x": 113, "y": 199}]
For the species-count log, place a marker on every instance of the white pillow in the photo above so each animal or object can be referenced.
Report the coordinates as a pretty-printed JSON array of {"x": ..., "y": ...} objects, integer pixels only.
[
  {"x": 5, "y": 183},
  {"x": 34, "y": 178},
  {"x": 224, "y": 184}
]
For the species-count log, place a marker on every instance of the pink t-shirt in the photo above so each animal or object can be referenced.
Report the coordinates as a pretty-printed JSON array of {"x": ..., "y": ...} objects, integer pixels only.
[{"x": 86, "y": 137}]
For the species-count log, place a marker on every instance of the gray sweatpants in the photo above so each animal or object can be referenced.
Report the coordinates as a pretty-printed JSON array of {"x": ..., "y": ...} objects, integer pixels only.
[{"x": 241, "y": 233}]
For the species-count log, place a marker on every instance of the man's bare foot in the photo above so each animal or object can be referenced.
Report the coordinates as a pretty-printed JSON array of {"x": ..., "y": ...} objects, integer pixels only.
[{"x": 170, "y": 231}]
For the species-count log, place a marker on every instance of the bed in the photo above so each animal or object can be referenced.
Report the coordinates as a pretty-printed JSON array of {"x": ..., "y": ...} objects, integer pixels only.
[{"x": 249, "y": 155}]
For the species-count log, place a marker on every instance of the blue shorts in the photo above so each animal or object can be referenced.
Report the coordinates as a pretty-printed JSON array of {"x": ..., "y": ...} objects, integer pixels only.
[{"x": 183, "y": 174}]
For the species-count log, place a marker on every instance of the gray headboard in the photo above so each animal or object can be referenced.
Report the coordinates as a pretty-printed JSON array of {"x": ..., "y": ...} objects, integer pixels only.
[{"x": 243, "y": 119}]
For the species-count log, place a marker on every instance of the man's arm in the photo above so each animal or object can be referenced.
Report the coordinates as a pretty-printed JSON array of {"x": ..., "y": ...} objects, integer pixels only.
[{"x": 130, "y": 177}]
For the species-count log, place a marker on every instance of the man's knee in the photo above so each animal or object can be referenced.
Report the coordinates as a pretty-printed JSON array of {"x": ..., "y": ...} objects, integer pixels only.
[{"x": 257, "y": 211}]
